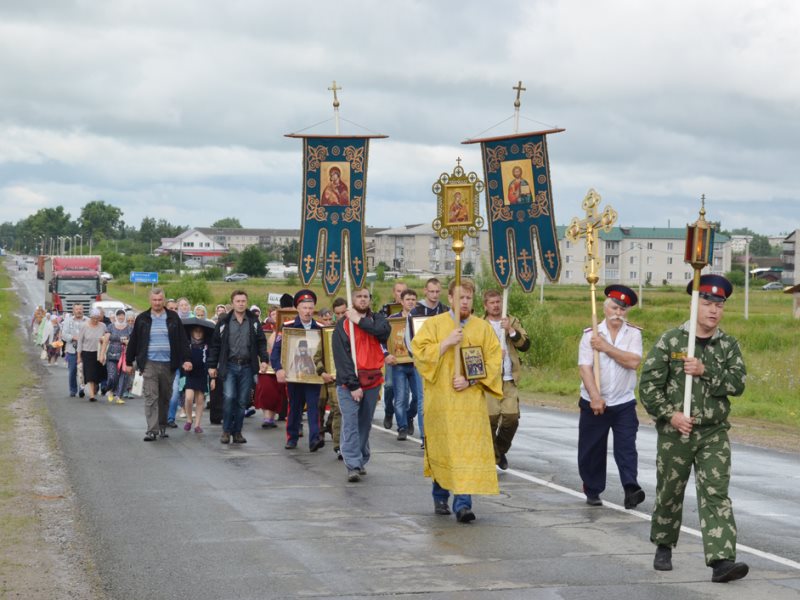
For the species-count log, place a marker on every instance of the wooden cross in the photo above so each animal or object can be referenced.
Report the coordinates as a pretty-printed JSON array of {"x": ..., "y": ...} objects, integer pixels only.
[
  {"x": 308, "y": 260},
  {"x": 519, "y": 89},
  {"x": 335, "y": 89},
  {"x": 356, "y": 265}
]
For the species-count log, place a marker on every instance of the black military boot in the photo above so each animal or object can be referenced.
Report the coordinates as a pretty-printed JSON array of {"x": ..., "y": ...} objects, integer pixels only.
[
  {"x": 727, "y": 570},
  {"x": 663, "y": 559}
]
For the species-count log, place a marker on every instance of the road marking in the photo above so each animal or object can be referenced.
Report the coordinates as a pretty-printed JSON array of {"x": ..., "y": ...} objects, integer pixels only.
[{"x": 565, "y": 490}]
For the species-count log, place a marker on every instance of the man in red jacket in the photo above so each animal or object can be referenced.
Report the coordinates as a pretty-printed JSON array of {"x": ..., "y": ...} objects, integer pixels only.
[{"x": 358, "y": 392}]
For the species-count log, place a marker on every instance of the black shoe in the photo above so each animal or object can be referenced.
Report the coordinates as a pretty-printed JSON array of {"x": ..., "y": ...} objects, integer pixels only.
[
  {"x": 387, "y": 422},
  {"x": 410, "y": 427},
  {"x": 634, "y": 495},
  {"x": 238, "y": 438},
  {"x": 422, "y": 445},
  {"x": 150, "y": 436},
  {"x": 338, "y": 453},
  {"x": 402, "y": 435},
  {"x": 727, "y": 570},
  {"x": 250, "y": 412},
  {"x": 291, "y": 445},
  {"x": 593, "y": 500},
  {"x": 440, "y": 507},
  {"x": 465, "y": 515},
  {"x": 503, "y": 462},
  {"x": 225, "y": 438},
  {"x": 663, "y": 559},
  {"x": 81, "y": 394},
  {"x": 163, "y": 433},
  {"x": 320, "y": 443},
  {"x": 172, "y": 425},
  {"x": 353, "y": 476},
  {"x": 92, "y": 399}
]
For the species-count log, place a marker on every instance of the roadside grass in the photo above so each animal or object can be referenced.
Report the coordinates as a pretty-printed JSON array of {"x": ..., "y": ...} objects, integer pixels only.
[
  {"x": 14, "y": 526},
  {"x": 768, "y": 338}
]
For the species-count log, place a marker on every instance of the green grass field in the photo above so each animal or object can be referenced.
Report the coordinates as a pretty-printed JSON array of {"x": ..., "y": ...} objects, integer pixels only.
[{"x": 768, "y": 339}]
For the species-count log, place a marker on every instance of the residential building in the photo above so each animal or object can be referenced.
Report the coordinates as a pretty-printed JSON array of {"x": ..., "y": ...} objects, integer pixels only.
[
  {"x": 192, "y": 242},
  {"x": 791, "y": 276},
  {"x": 631, "y": 255}
]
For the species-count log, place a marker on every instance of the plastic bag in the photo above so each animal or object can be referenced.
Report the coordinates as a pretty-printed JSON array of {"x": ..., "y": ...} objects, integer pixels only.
[{"x": 137, "y": 389}]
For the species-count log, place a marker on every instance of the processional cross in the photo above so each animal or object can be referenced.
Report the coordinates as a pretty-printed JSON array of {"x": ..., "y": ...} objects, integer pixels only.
[{"x": 588, "y": 228}]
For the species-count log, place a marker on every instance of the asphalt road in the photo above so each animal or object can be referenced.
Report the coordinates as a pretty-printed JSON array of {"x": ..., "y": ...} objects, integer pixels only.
[{"x": 190, "y": 518}]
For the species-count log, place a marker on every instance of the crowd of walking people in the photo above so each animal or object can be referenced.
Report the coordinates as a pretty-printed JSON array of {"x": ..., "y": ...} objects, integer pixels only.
[{"x": 456, "y": 372}]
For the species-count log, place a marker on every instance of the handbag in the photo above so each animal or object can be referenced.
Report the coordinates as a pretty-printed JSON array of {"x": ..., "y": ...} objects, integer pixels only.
[
  {"x": 137, "y": 389},
  {"x": 369, "y": 378}
]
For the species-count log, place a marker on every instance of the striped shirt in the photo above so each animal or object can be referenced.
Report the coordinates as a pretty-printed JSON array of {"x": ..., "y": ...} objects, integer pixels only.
[{"x": 158, "y": 349}]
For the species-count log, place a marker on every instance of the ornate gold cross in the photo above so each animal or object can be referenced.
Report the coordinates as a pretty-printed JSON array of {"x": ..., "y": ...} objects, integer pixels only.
[
  {"x": 588, "y": 228},
  {"x": 335, "y": 89},
  {"x": 356, "y": 265},
  {"x": 501, "y": 262},
  {"x": 308, "y": 260}
]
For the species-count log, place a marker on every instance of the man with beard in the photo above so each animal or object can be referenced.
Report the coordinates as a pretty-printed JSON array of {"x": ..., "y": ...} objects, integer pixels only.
[{"x": 613, "y": 406}]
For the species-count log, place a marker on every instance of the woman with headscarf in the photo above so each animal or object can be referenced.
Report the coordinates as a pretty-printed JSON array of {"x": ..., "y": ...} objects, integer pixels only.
[
  {"x": 200, "y": 312},
  {"x": 52, "y": 339},
  {"x": 115, "y": 341},
  {"x": 89, "y": 345}
]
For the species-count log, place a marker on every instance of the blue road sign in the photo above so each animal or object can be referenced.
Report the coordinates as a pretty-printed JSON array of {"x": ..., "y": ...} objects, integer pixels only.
[{"x": 144, "y": 277}]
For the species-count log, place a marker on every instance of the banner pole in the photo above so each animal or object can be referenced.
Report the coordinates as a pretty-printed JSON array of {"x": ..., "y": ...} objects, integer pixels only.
[{"x": 349, "y": 300}]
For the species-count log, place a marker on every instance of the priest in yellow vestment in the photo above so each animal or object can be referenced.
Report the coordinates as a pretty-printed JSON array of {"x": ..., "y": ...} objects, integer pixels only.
[{"x": 459, "y": 454}]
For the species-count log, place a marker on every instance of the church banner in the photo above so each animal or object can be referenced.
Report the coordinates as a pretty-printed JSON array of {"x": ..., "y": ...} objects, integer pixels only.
[
  {"x": 334, "y": 193},
  {"x": 519, "y": 207}
]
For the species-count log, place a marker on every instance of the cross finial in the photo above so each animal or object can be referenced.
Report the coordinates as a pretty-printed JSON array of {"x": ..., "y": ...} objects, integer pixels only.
[
  {"x": 519, "y": 89},
  {"x": 458, "y": 161},
  {"x": 335, "y": 89}
]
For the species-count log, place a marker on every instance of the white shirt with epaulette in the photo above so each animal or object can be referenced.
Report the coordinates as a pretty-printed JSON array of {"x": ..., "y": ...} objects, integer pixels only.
[{"x": 617, "y": 384}]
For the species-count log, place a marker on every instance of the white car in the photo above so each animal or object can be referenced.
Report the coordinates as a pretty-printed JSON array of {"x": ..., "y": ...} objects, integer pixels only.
[{"x": 106, "y": 276}]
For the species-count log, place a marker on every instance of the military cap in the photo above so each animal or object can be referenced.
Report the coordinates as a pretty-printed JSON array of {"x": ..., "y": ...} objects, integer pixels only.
[
  {"x": 304, "y": 296},
  {"x": 622, "y": 295},
  {"x": 713, "y": 287}
]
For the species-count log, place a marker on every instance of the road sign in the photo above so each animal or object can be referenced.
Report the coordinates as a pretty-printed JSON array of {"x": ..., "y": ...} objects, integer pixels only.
[
  {"x": 144, "y": 277},
  {"x": 273, "y": 298}
]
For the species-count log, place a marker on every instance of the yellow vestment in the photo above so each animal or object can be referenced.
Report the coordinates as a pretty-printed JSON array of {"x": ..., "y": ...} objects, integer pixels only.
[{"x": 459, "y": 454}]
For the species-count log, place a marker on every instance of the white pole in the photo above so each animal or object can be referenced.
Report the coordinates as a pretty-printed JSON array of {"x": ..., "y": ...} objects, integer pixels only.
[
  {"x": 347, "y": 286},
  {"x": 641, "y": 296},
  {"x": 746, "y": 278},
  {"x": 687, "y": 392}
]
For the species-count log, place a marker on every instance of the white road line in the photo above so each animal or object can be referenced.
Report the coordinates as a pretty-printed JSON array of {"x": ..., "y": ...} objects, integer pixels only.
[{"x": 564, "y": 490}]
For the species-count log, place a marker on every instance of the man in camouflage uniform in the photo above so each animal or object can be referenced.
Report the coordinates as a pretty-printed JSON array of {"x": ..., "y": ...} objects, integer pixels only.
[{"x": 700, "y": 440}]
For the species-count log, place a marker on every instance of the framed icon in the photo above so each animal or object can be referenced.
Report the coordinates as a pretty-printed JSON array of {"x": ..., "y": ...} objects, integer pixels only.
[
  {"x": 285, "y": 316},
  {"x": 397, "y": 341},
  {"x": 297, "y": 354},
  {"x": 335, "y": 183},
  {"x": 327, "y": 350},
  {"x": 392, "y": 308},
  {"x": 458, "y": 205},
  {"x": 517, "y": 178},
  {"x": 474, "y": 366},
  {"x": 416, "y": 324}
]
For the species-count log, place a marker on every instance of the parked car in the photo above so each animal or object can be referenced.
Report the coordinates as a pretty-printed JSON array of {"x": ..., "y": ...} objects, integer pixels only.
[
  {"x": 110, "y": 307},
  {"x": 236, "y": 277},
  {"x": 772, "y": 285}
]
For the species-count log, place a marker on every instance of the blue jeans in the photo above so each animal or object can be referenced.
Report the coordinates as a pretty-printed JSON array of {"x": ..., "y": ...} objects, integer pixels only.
[
  {"x": 405, "y": 386},
  {"x": 236, "y": 392},
  {"x": 356, "y": 425},
  {"x": 175, "y": 399},
  {"x": 72, "y": 372},
  {"x": 459, "y": 500},
  {"x": 388, "y": 391}
]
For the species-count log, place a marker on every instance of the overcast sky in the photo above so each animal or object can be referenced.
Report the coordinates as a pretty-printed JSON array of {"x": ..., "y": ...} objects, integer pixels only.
[{"x": 177, "y": 109}]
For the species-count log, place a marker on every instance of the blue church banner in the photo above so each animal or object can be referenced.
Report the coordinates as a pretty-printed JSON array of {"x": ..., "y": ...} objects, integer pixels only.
[
  {"x": 519, "y": 207},
  {"x": 334, "y": 193}
]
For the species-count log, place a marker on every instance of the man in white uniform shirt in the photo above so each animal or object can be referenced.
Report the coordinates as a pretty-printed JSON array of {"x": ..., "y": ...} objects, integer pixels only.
[{"x": 613, "y": 406}]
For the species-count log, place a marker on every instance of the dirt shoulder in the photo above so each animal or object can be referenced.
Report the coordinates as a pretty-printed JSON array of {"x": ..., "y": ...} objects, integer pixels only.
[
  {"x": 45, "y": 554},
  {"x": 744, "y": 431}
]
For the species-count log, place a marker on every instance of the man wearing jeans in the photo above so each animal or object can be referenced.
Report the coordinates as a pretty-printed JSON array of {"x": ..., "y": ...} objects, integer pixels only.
[
  {"x": 69, "y": 335},
  {"x": 388, "y": 385},
  {"x": 357, "y": 388},
  {"x": 237, "y": 353},
  {"x": 160, "y": 346},
  {"x": 406, "y": 382}
]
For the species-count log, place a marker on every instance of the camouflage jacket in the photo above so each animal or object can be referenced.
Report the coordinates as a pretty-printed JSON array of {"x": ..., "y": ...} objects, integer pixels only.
[{"x": 662, "y": 382}]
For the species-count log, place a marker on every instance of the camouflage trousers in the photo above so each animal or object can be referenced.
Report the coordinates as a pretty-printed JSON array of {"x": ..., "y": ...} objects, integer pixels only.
[{"x": 708, "y": 449}]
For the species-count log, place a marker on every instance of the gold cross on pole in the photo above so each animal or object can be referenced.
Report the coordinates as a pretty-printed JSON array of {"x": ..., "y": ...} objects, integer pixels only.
[
  {"x": 588, "y": 228},
  {"x": 458, "y": 161},
  {"x": 335, "y": 89},
  {"x": 519, "y": 90}
]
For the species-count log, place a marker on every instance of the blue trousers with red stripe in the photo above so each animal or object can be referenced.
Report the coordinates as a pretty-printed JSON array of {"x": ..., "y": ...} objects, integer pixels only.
[{"x": 593, "y": 445}]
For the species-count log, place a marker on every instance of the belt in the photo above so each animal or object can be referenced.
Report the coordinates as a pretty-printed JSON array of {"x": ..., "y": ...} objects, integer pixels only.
[{"x": 240, "y": 361}]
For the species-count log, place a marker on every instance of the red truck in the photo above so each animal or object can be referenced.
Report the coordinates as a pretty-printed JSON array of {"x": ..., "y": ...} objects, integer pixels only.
[{"x": 71, "y": 280}]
